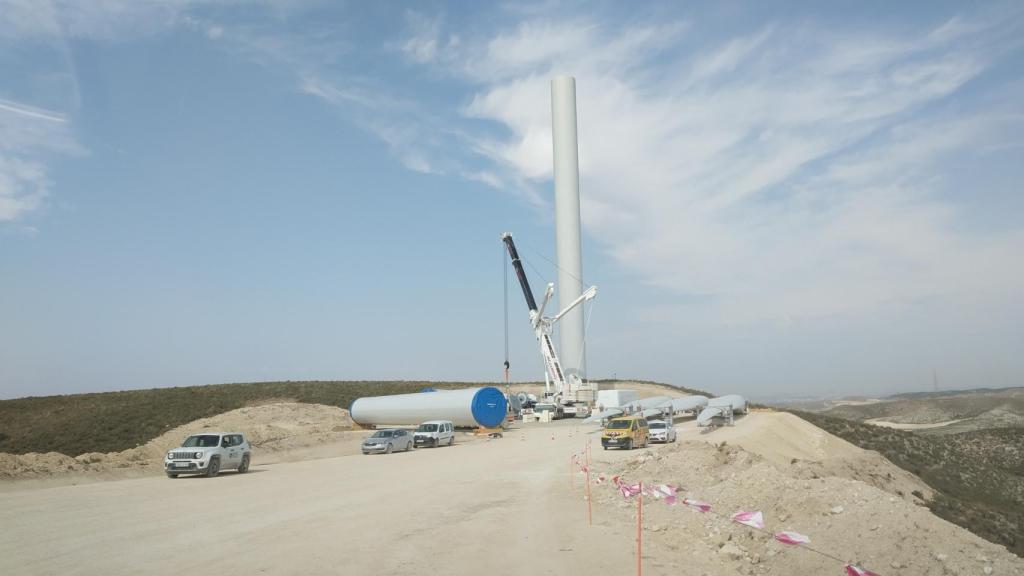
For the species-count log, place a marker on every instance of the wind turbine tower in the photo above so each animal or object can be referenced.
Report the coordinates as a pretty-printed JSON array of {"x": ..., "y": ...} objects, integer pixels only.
[{"x": 567, "y": 222}]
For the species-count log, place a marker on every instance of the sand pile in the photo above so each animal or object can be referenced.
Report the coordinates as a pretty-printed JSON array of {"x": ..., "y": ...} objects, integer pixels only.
[
  {"x": 879, "y": 526},
  {"x": 806, "y": 451},
  {"x": 269, "y": 428}
]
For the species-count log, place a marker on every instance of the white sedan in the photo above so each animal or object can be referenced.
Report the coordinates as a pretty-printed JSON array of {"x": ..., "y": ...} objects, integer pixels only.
[
  {"x": 388, "y": 439},
  {"x": 662, "y": 431}
]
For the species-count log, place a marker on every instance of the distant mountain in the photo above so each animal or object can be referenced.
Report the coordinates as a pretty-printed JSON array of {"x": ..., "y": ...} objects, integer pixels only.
[{"x": 947, "y": 412}]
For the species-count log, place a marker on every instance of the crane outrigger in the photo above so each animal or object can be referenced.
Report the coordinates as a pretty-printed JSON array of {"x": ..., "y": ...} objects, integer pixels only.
[{"x": 559, "y": 390}]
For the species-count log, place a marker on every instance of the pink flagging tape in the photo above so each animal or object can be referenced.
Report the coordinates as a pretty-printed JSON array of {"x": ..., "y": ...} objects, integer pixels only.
[
  {"x": 666, "y": 491},
  {"x": 697, "y": 505},
  {"x": 792, "y": 538},
  {"x": 852, "y": 570},
  {"x": 629, "y": 490},
  {"x": 752, "y": 519}
]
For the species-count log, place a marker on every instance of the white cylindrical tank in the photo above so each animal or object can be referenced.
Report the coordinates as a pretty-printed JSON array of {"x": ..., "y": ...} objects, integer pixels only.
[
  {"x": 567, "y": 222},
  {"x": 485, "y": 407}
]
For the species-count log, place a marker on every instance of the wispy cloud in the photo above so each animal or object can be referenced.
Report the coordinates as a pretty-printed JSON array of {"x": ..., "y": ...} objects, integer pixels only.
[
  {"x": 771, "y": 171},
  {"x": 32, "y": 112},
  {"x": 106, "y": 20},
  {"x": 421, "y": 45},
  {"x": 29, "y": 135}
]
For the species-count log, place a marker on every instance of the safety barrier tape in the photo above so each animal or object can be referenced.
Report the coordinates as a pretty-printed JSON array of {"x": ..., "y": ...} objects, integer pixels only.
[{"x": 750, "y": 519}]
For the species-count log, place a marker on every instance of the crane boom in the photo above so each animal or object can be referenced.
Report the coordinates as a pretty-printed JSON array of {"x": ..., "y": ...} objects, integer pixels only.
[{"x": 520, "y": 273}]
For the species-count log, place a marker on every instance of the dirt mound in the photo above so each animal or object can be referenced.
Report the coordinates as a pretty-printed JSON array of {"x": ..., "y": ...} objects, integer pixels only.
[
  {"x": 269, "y": 428},
  {"x": 843, "y": 515},
  {"x": 803, "y": 450}
]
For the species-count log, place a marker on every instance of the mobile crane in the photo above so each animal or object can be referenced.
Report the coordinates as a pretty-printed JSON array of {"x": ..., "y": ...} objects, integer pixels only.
[{"x": 563, "y": 393}]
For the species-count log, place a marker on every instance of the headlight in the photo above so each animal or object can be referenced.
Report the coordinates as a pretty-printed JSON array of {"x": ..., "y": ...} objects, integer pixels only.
[
  {"x": 170, "y": 455},
  {"x": 198, "y": 455}
]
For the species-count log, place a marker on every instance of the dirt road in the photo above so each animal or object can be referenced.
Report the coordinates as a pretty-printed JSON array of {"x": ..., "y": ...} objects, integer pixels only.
[
  {"x": 500, "y": 507},
  {"x": 486, "y": 507}
]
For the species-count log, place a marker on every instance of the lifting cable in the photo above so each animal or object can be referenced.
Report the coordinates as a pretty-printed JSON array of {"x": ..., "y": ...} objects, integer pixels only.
[
  {"x": 504, "y": 260},
  {"x": 549, "y": 261}
]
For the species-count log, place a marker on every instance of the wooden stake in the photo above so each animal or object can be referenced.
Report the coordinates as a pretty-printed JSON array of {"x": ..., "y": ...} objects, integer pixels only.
[
  {"x": 590, "y": 513},
  {"x": 640, "y": 531}
]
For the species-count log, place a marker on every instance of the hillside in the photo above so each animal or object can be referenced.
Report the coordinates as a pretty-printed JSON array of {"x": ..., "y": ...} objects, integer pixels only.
[
  {"x": 116, "y": 421},
  {"x": 272, "y": 429},
  {"x": 941, "y": 412},
  {"x": 852, "y": 503},
  {"x": 978, "y": 476},
  {"x": 855, "y": 505}
]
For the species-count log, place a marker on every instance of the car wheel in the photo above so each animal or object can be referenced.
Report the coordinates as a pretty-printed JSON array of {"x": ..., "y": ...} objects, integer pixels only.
[
  {"x": 629, "y": 444},
  {"x": 169, "y": 475},
  {"x": 451, "y": 440},
  {"x": 213, "y": 468},
  {"x": 388, "y": 449},
  {"x": 603, "y": 446},
  {"x": 408, "y": 446},
  {"x": 244, "y": 466}
]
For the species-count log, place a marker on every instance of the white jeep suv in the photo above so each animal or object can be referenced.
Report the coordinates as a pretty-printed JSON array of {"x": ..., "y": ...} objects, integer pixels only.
[{"x": 209, "y": 453}]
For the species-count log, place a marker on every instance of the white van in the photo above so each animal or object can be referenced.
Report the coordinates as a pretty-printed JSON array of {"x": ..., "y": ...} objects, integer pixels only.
[{"x": 435, "y": 433}]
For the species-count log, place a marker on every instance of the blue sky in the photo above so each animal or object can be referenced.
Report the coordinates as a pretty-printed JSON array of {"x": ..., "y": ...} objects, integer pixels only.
[{"x": 801, "y": 199}]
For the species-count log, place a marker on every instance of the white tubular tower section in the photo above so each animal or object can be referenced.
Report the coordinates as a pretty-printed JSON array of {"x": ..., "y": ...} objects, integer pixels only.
[{"x": 567, "y": 223}]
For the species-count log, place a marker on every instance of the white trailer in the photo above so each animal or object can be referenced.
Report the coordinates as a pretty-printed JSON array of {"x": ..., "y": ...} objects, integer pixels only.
[{"x": 616, "y": 398}]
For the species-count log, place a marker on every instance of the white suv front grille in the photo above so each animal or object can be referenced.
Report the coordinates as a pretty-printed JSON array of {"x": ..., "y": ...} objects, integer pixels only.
[{"x": 182, "y": 455}]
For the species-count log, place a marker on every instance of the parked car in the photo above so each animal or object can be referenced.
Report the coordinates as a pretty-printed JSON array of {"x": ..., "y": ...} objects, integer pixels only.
[
  {"x": 387, "y": 440},
  {"x": 435, "y": 433},
  {"x": 208, "y": 454},
  {"x": 626, "y": 432},
  {"x": 662, "y": 431}
]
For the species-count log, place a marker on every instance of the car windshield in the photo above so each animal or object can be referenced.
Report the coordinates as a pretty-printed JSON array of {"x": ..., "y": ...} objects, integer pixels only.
[
  {"x": 427, "y": 428},
  {"x": 657, "y": 424},
  {"x": 383, "y": 434},
  {"x": 202, "y": 441},
  {"x": 619, "y": 424}
]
